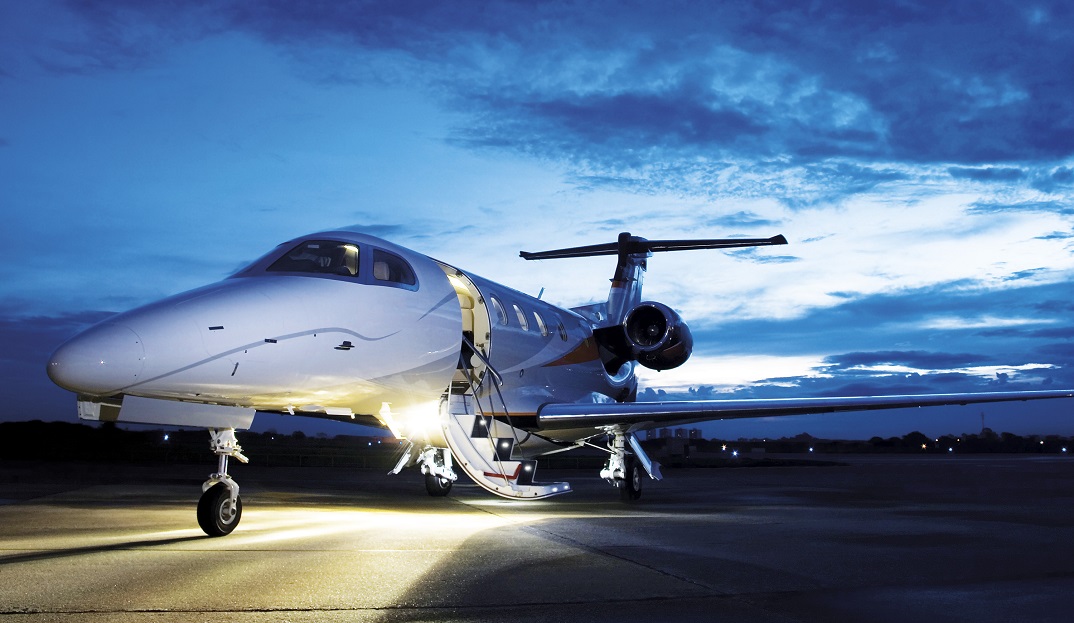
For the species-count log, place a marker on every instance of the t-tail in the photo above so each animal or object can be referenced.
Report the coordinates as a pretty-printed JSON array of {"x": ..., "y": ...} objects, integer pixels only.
[{"x": 628, "y": 329}]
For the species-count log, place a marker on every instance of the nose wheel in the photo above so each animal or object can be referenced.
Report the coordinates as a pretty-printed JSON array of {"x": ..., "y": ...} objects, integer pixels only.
[
  {"x": 437, "y": 486},
  {"x": 220, "y": 506},
  {"x": 439, "y": 475},
  {"x": 217, "y": 514}
]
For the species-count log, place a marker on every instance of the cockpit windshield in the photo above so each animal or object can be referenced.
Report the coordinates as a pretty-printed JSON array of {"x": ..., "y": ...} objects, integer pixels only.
[{"x": 321, "y": 257}]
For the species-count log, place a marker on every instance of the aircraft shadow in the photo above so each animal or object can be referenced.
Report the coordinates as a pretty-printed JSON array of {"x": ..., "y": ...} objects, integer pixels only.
[{"x": 95, "y": 549}]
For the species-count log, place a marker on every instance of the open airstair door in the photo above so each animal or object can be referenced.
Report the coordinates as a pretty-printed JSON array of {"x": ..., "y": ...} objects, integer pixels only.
[{"x": 485, "y": 447}]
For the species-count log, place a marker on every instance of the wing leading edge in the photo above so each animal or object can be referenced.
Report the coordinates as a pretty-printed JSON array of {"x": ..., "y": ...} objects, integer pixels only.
[{"x": 561, "y": 416}]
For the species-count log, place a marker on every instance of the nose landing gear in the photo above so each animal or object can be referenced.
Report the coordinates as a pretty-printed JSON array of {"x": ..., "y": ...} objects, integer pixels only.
[{"x": 220, "y": 506}]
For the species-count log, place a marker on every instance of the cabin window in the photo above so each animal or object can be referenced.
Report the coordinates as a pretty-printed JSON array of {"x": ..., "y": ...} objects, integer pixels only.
[
  {"x": 522, "y": 321},
  {"x": 541, "y": 324},
  {"x": 324, "y": 257},
  {"x": 390, "y": 269},
  {"x": 501, "y": 313}
]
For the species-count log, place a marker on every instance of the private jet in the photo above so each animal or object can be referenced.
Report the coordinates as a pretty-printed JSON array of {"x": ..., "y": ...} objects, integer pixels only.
[{"x": 470, "y": 375}]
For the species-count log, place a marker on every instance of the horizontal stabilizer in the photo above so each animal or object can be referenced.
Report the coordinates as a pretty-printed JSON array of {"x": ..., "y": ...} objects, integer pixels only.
[{"x": 628, "y": 245}]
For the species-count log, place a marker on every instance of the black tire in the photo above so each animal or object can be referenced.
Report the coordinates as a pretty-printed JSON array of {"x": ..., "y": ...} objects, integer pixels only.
[
  {"x": 630, "y": 487},
  {"x": 436, "y": 486},
  {"x": 214, "y": 511}
]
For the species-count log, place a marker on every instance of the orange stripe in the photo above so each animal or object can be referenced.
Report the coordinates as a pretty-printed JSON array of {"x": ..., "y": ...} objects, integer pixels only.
[
  {"x": 518, "y": 470},
  {"x": 585, "y": 352}
]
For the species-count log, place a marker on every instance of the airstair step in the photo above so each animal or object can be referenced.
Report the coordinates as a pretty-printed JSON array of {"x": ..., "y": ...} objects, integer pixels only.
[{"x": 484, "y": 447}]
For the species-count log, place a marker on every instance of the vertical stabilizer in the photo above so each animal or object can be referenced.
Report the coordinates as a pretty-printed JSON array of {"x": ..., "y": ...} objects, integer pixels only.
[{"x": 633, "y": 252}]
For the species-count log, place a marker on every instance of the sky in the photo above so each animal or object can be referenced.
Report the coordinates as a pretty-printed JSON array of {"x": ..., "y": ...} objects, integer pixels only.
[{"x": 918, "y": 157}]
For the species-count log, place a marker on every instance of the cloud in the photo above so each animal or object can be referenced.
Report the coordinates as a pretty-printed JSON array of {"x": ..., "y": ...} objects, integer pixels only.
[
  {"x": 795, "y": 101},
  {"x": 987, "y": 174},
  {"x": 1054, "y": 181},
  {"x": 1056, "y": 235},
  {"x": 752, "y": 255},
  {"x": 994, "y": 207},
  {"x": 924, "y": 360},
  {"x": 741, "y": 220}
]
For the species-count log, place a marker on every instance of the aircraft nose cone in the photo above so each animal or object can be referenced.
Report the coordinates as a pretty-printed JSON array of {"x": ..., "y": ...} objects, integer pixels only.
[{"x": 99, "y": 362}]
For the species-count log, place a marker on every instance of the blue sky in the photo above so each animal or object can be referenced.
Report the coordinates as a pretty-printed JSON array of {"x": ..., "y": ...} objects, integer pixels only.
[{"x": 920, "y": 160}]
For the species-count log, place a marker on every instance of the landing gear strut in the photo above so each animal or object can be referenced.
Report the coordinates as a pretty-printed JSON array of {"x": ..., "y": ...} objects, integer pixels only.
[
  {"x": 436, "y": 465},
  {"x": 626, "y": 469},
  {"x": 220, "y": 507}
]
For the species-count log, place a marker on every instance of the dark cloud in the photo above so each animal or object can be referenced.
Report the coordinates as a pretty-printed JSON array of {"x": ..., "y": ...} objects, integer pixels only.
[
  {"x": 788, "y": 100},
  {"x": 1025, "y": 274},
  {"x": 753, "y": 255},
  {"x": 992, "y": 207},
  {"x": 896, "y": 329},
  {"x": 741, "y": 220},
  {"x": 987, "y": 174},
  {"x": 1056, "y": 235},
  {"x": 1055, "y": 180},
  {"x": 1064, "y": 351},
  {"x": 914, "y": 359}
]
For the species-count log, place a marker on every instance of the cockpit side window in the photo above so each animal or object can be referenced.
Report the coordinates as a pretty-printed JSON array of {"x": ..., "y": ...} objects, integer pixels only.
[
  {"x": 325, "y": 257},
  {"x": 391, "y": 270}
]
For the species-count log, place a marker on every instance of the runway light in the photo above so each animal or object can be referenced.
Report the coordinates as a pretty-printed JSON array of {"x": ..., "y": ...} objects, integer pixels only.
[
  {"x": 1064, "y": 448},
  {"x": 165, "y": 436},
  {"x": 950, "y": 449},
  {"x": 811, "y": 448},
  {"x": 734, "y": 453},
  {"x": 924, "y": 446}
]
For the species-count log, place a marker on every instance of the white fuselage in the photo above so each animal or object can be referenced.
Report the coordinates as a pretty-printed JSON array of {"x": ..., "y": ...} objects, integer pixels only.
[{"x": 376, "y": 330}]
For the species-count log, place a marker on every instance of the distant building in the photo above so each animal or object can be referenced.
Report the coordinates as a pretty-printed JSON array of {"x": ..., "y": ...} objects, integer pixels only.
[
  {"x": 680, "y": 433},
  {"x": 665, "y": 433},
  {"x": 695, "y": 433}
]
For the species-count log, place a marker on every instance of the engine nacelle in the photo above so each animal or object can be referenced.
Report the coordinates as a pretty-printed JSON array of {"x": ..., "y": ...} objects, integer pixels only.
[{"x": 657, "y": 336}]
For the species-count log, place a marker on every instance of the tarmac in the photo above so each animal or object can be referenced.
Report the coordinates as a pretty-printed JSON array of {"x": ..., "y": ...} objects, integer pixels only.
[{"x": 936, "y": 538}]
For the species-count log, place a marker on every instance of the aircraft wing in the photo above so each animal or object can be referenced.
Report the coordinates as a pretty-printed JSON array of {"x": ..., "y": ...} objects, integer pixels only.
[{"x": 562, "y": 416}]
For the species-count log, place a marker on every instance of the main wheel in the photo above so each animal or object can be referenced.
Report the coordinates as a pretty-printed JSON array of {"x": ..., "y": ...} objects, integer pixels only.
[
  {"x": 215, "y": 515},
  {"x": 437, "y": 486},
  {"x": 630, "y": 487}
]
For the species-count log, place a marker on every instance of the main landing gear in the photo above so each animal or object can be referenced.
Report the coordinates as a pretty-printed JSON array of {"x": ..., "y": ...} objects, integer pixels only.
[
  {"x": 626, "y": 469},
  {"x": 220, "y": 506}
]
